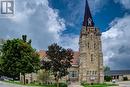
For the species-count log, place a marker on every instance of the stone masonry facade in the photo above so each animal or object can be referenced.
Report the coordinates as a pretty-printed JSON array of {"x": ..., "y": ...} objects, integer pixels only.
[{"x": 91, "y": 57}]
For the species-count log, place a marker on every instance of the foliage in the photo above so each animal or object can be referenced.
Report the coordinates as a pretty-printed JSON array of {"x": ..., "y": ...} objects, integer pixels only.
[
  {"x": 107, "y": 78},
  {"x": 125, "y": 78},
  {"x": 1, "y": 44},
  {"x": 60, "y": 61},
  {"x": 1, "y": 73},
  {"x": 107, "y": 72},
  {"x": 46, "y": 65},
  {"x": 106, "y": 69},
  {"x": 19, "y": 57},
  {"x": 43, "y": 76},
  {"x": 100, "y": 85},
  {"x": 63, "y": 85},
  {"x": 84, "y": 83}
]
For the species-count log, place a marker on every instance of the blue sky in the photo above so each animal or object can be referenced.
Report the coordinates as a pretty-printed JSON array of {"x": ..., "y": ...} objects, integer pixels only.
[
  {"x": 107, "y": 13},
  {"x": 60, "y": 21}
]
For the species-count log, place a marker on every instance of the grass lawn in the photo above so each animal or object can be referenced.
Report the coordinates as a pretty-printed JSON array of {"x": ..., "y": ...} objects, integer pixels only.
[{"x": 99, "y": 85}]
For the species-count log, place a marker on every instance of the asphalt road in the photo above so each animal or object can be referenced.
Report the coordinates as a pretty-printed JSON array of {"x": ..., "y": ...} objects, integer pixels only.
[
  {"x": 5, "y": 85},
  {"x": 124, "y": 84}
]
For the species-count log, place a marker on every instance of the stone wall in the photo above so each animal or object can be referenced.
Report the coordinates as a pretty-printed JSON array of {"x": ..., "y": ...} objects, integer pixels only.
[{"x": 32, "y": 77}]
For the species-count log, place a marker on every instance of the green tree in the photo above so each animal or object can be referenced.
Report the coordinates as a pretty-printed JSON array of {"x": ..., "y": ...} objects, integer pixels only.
[
  {"x": 19, "y": 57},
  {"x": 24, "y": 38},
  {"x": 1, "y": 73},
  {"x": 106, "y": 69},
  {"x": 107, "y": 76},
  {"x": 45, "y": 66},
  {"x": 60, "y": 61},
  {"x": 43, "y": 76}
]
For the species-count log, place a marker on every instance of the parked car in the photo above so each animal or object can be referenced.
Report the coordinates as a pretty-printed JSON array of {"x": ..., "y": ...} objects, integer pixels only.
[
  {"x": 113, "y": 81},
  {"x": 5, "y": 78},
  {"x": 1, "y": 79}
]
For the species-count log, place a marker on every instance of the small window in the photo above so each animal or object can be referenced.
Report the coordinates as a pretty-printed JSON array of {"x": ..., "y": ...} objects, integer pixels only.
[
  {"x": 95, "y": 72},
  {"x": 94, "y": 45},
  {"x": 73, "y": 74},
  {"x": 87, "y": 72},
  {"x": 92, "y": 58},
  {"x": 88, "y": 45}
]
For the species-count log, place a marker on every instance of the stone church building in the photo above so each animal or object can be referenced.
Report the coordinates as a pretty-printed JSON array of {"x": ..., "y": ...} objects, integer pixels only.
[{"x": 87, "y": 65}]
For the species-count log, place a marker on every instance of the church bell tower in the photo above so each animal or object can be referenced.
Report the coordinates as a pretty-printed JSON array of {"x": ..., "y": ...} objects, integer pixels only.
[{"x": 90, "y": 48}]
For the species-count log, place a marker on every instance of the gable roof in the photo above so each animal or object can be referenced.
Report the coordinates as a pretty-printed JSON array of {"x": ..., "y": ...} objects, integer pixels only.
[
  {"x": 75, "y": 60},
  {"x": 42, "y": 54}
]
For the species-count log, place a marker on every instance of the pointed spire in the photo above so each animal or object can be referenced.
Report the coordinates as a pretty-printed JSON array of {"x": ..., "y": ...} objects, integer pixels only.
[{"x": 88, "y": 21}]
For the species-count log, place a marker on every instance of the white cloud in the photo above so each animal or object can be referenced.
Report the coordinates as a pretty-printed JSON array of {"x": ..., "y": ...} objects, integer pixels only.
[
  {"x": 116, "y": 44},
  {"x": 125, "y": 3},
  {"x": 36, "y": 19},
  {"x": 96, "y": 5},
  {"x": 70, "y": 41}
]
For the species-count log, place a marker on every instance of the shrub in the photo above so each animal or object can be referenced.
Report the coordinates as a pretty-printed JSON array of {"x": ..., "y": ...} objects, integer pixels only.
[
  {"x": 63, "y": 85},
  {"x": 108, "y": 78},
  {"x": 125, "y": 78},
  {"x": 84, "y": 83}
]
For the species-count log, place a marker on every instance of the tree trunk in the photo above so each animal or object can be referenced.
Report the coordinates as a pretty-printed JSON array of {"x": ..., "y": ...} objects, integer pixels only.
[
  {"x": 57, "y": 82},
  {"x": 24, "y": 78},
  {"x": 46, "y": 77}
]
